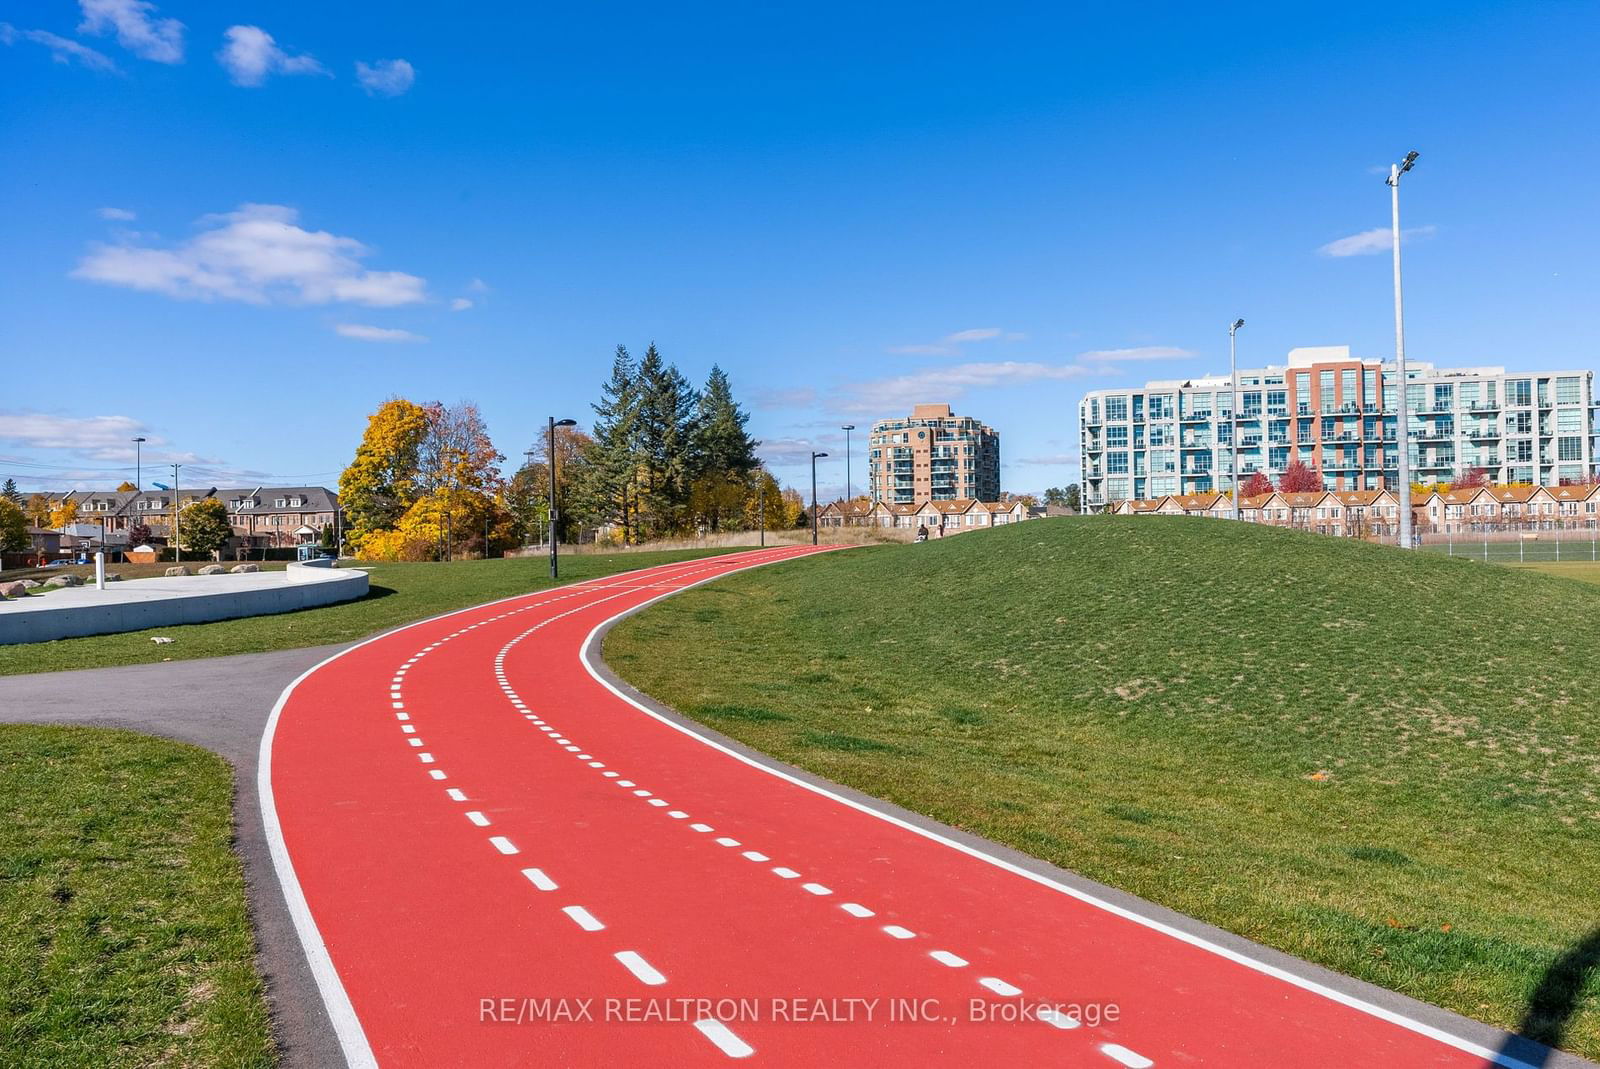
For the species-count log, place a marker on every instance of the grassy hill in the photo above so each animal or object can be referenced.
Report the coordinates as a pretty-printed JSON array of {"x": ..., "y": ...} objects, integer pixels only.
[{"x": 1388, "y": 763}]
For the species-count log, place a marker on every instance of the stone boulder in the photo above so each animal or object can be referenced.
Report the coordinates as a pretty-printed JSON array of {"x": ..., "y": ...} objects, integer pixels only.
[
  {"x": 244, "y": 569},
  {"x": 212, "y": 569},
  {"x": 32, "y": 584},
  {"x": 64, "y": 580},
  {"x": 113, "y": 577},
  {"x": 178, "y": 569},
  {"x": 12, "y": 590}
]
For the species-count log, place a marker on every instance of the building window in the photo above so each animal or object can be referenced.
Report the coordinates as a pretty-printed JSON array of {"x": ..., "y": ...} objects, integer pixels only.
[
  {"x": 1116, "y": 408},
  {"x": 1567, "y": 390},
  {"x": 1519, "y": 392},
  {"x": 1569, "y": 448}
]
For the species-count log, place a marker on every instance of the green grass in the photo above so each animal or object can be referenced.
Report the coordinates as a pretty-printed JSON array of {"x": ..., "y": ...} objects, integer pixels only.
[
  {"x": 400, "y": 593},
  {"x": 1544, "y": 547},
  {"x": 124, "y": 938},
  {"x": 1388, "y": 763}
]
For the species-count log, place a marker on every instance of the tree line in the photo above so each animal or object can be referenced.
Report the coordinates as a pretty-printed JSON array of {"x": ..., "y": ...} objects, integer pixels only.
[{"x": 662, "y": 459}]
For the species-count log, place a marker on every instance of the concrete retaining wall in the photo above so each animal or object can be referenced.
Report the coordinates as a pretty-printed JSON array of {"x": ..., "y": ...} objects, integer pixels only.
[{"x": 144, "y": 603}]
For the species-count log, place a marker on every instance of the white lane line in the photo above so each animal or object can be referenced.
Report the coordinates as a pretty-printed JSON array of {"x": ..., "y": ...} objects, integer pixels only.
[
  {"x": 725, "y": 841},
  {"x": 898, "y": 932},
  {"x": 723, "y": 1037},
  {"x": 642, "y": 793},
  {"x": 539, "y": 879},
  {"x": 817, "y": 889},
  {"x": 436, "y": 774},
  {"x": 635, "y": 964},
  {"x": 597, "y": 764},
  {"x": 785, "y": 873},
  {"x": 999, "y": 986},
  {"x": 677, "y": 814},
  {"x": 582, "y": 918},
  {"x": 1123, "y": 1056},
  {"x": 408, "y": 729},
  {"x": 402, "y": 716},
  {"x": 1054, "y": 1017},
  {"x": 478, "y": 818},
  {"x": 855, "y": 909},
  {"x": 610, "y": 775},
  {"x": 572, "y": 749},
  {"x": 456, "y": 794},
  {"x": 700, "y": 827},
  {"x": 398, "y": 705},
  {"x": 658, "y": 802},
  {"x": 415, "y": 741},
  {"x": 584, "y": 756},
  {"x": 944, "y": 957},
  {"x": 425, "y": 758},
  {"x": 625, "y": 783},
  {"x": 756, "y": 855},
  {"x": 504, "y": 845}
]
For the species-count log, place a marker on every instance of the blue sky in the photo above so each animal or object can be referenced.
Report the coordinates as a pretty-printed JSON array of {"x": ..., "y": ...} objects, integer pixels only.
[{"x": 222, "y": 233}]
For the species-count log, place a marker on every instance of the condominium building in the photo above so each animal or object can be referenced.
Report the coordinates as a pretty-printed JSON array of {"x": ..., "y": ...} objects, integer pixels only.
[
  {"x": 934, "y": 455},
  {"x": 1336, "y": 414}
]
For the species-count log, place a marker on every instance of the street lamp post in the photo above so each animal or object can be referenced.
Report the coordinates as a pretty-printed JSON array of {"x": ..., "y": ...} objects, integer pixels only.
[
  {"x": 761, "y": 507},
  {"x": 847, "y": 428},
  {"x": 1402, "y": 429},
  {"x": 530, "y": 454},
  {"x": 554, "y": 423},
  {"x": 138, "y": 463},
  {"x": 814, "y": 458},
  {"x": 177, "y": 550},
  {"x": 1233, "y": 408}
]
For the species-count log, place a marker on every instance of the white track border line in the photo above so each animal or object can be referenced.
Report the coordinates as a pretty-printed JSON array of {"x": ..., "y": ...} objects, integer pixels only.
[
  {"x": 346, "y": 1025},
  {"x": 1391, "y": 1016}
]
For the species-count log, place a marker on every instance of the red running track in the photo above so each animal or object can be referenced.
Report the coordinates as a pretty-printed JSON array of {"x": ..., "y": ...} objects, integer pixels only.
[{"x": 476, "y": 835}]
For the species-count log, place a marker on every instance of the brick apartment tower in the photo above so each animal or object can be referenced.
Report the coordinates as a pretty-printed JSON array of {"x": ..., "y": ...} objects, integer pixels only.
[{"x": 935, "y": 455}]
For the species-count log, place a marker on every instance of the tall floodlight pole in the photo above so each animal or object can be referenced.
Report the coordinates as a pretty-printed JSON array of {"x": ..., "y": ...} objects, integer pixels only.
[
  {"x": 530, "y": 454},
  {"x": 814, "y": 459},
  {"x": 847, "y": 428},
  {"x": 1233, "y": 408},
  {"x": 1402, "y": 427},
  {"x": 554, "y": 423},
  {"x": 177, "y": 550},
  {"x": 761, "y": 507},
  {"x": 138, "y": 463}
]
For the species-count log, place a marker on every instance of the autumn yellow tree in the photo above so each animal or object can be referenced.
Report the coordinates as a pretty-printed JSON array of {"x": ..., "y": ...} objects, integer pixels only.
[
  {"x": 383, "y": 481},
  {"x": 63, "y": 512},
  {"x": 125, "y": 486}
]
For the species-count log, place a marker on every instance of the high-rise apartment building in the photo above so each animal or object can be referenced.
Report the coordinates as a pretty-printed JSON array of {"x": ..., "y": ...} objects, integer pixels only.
[
  {"x": 935, "y": 455},
  {"x": 1338, "y": 415}
]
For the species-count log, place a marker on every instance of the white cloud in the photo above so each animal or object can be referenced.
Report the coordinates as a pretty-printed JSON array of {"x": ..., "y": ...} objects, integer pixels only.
[
  {"x": 121, "y": 215},
  {"x": 362, "y": 332},
  {"x": 61, "y": 49},
  {"x": 461, "y": 304},
  {"x": 783, "y": 451},
  {"x": 136, "y": 27},
  {"x": 478, "y": 285},
  {"x": 800, "y": 397},
  {"x": 1378, "y": 239},
  {"x": 950, "y": 344},
  {"x": 1143, "y": 352},
  {"x": 387, "y": 77},
  {"x": 943, "y": 384},
  {"x": 250, "y": 55},
  {"x": 256, "y": 254}
]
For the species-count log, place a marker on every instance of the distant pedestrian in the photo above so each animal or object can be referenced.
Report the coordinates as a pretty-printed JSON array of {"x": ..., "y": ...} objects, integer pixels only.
[{"x": 922, "y": 532}]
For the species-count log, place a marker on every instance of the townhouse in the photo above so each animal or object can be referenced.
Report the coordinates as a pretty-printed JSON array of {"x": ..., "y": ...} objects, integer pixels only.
[
  {"x": 938, "y": 517},
  {"x": 261, "y": 517}
]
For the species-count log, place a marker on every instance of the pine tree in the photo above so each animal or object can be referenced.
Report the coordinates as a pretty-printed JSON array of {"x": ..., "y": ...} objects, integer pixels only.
[
  {"x": 11, "y": 493},
  {"x": 666, "y": 430},
  {"x": 608, "y": 488},
  {"x": 720, "y": 442}
]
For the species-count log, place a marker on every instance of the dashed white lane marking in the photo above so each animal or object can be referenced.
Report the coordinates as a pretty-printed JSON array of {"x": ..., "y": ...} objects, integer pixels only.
[
  {"x": 408, "y": 729},
  {"x": 425, "y": 758},
  {"x": 624, "y": 783},
  {"x": 855, "y": 909},
  {"x": 596, "y": 764},
  {"x": 1054, "y": 1017},
  {"x": 539, "y": 879},
  {"x": 999, "y": 986},
  {"x": 504, "y": 845},
  {"x": 1123, "y": 1056},
  {"x": 700, "y": 827},
  {"x": 478, "y": 818},
  {"x": 398, "y": 705},
  {"x": 677, "y": 814},
  {"x": 456, "y": 794},
  {"x": 642, "y": 793},
  {"x": 436, "y": 774},
  {"x": 415, "y": 741},
  {"x": 611, "y": 775},
  {"x": 817, "y": 889},
  {"x": 725, "y": 841},
  {"x": 723, "y": 1037},
  {"x": 402, "y": 716},
  {"x": 647, "y": 973},
  {"x": 898, "y": 932},
  {"x": 785, "y": 873},
  {"x": 756, "y": 855},
  {"x": 582, "y": 918},
  {"x": 944, "y": 957}
]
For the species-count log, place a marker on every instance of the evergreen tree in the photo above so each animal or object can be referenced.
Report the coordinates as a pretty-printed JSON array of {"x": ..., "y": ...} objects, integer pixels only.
[
  {"x": 721, "y": 445},
  {"x": 607, "y": 491},
  {"x": 11, "y": 493},
  {"x": 666, "y": 431}
]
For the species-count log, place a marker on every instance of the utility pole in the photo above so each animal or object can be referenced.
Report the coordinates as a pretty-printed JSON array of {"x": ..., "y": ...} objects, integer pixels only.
[
  {"x": 761, "y": 508},
  {"x": 1233, "y": 411},
  {"x": 138, "y": 463},
  {"x": 847, "y": 428},
  {"x": 1402, "y": 424},
  {"x": 814, "y": 458}
]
